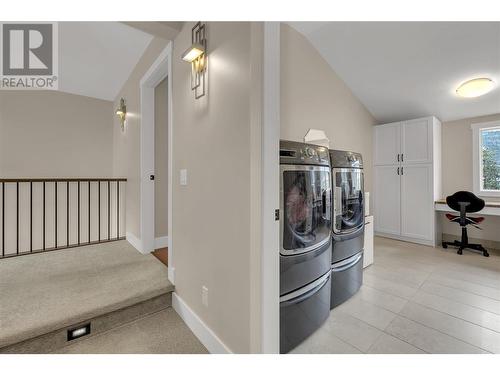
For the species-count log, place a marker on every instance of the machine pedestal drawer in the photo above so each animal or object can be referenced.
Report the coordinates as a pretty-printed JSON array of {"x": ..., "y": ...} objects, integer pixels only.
[
  {"x": 303, "y": 311},
  {"x": 346, "y": 246},
  {"x": 347, "y": 277},
  {"x": 297, "y": 271}
]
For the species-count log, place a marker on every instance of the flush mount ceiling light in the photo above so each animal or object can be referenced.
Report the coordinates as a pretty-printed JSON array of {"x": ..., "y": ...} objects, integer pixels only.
[
  {"x": 196, "y": 55},
  {"x": 475, "y": 87}
]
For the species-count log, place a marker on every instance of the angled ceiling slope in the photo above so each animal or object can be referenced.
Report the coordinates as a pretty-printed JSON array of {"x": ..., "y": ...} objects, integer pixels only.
[
  {"x": 96, "y": 58},
  {"x": 403, "y": 70},
  {"x": 162, "y": 29}
]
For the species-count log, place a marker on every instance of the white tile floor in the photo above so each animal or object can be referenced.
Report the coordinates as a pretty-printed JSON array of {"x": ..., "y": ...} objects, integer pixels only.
[{"x": 417, "y": 299}]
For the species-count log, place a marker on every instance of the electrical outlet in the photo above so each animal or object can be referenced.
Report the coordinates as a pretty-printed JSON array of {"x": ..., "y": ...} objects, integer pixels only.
[
  {"x": 204, "y": 296},
  {"x": 184, "y": 177}
]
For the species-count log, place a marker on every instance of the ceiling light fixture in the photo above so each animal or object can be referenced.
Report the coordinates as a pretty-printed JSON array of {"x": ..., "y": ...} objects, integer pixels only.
[{"x": 475, "y": 87}]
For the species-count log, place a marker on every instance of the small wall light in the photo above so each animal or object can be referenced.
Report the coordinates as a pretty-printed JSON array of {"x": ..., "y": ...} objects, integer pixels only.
[
  {"x": 196, "y": 55},
  {"x": 193, "y": 53},
  {"x": 121, "y": 112}
]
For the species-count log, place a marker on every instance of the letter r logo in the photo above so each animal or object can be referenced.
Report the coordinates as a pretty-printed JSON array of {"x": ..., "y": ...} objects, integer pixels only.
[{"x": 27, "y": 49}]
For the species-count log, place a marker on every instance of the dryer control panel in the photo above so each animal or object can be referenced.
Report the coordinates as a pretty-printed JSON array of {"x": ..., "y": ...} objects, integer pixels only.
[{"x": 303, "y": 153}]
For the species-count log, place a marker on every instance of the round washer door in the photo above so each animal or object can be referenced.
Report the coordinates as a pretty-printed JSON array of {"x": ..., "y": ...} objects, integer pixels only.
[
  {"x": 348, "y": 198},
  {"x": 306, "y": 207}
]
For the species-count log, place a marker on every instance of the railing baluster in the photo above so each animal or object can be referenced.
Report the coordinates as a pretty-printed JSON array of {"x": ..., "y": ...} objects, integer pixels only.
[
  {"x": 31, "y": 216},
  {"x": 99, "y": 211},
  {"x": 109, "y": 210},
  {"x": 55, "y": 195},
  {"x": 117, "y": 209},
  {"x": 89, "y": 211},
  {"x": 17, "y": 217},
  {"x": 3, "y": 219},
  {"x": 43, "y": 218},
  {"x": 67, "y": 214},
  {"x": 78, "y": 213}
]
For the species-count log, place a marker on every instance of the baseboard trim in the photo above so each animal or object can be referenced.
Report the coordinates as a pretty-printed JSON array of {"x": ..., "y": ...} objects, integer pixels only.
[
  {"x": 207, "y": 337},
  {"x": 135, "y": 242},
  {"x": 161, "y": 242},
  {"x": 405, "y": 239}
]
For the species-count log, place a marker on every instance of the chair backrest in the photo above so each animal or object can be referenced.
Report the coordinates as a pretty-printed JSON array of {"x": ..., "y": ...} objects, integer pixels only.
[{"x": 473, "y": 203}]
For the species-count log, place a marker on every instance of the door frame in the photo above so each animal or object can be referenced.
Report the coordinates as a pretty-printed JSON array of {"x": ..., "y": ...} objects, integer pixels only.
[
  {"x": 159, "y": 70},
  {"x": 270, "y": 175}
]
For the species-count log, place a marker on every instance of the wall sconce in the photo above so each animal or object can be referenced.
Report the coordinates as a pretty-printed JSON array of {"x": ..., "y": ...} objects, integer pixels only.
[
  {"x": 196, "y": 55},
  {"x": 121, "y": 112}
]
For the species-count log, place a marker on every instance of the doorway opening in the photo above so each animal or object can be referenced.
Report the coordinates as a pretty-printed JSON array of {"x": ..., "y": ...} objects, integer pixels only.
[
  {"x": 156, "y": 160},
  {"x": 161, "y": 171}
]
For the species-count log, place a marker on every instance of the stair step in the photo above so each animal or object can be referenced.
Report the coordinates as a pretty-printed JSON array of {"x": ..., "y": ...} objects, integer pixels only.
[{"x": 58, "y": 339}]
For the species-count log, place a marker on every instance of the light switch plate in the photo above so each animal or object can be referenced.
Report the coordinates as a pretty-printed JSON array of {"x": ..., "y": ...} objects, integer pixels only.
[{"x": 184, "y": 177}]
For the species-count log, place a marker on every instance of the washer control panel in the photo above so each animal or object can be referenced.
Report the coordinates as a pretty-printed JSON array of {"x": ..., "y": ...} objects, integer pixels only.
[{"x": 345, "y": 159}]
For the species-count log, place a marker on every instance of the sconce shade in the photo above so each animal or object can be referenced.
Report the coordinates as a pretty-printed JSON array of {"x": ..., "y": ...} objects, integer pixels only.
[
  {"x": 196, "y": 55},
  {"x": 193, "y": 52}
]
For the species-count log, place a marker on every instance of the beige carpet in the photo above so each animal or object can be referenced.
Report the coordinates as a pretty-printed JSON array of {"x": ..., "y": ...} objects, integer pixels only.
[
  {"x": 43, "y": 292},
  {"x": 160, "y": 333}
]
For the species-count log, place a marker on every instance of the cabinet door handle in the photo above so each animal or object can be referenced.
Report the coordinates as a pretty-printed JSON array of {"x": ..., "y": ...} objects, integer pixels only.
[
  {"x": 398, "y": 158},
  {"x": 398, "y": 171},
  {"x": 402, "y": 157},
  {"x": 402, "y": 172}
]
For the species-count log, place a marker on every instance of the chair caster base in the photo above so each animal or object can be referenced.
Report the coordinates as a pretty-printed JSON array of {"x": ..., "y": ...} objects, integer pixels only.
[{"x": 461, "y": 247}]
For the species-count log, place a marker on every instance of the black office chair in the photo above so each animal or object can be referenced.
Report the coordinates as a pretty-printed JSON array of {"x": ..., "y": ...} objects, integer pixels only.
[{"x": 465, "y": 202}]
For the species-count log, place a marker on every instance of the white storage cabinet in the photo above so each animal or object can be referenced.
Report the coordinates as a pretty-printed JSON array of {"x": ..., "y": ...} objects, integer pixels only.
[{"x": 407, "y": 180}]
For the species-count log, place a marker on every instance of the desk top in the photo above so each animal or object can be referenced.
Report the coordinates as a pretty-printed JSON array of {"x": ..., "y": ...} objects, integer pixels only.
[{"x": 488, "y": 204}]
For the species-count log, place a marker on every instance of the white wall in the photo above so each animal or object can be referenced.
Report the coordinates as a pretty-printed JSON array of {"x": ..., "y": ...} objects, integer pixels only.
[
  {"x": 217, "y": 139},
  {"x": 313, "y": 96},
  {"x": 457, "y": 174},
  {"x": 126, "y": 145},
  {"x": 49, "y": 134},
  {"x": 214, "y": 140},
  {"x": 55, "y": 134}
]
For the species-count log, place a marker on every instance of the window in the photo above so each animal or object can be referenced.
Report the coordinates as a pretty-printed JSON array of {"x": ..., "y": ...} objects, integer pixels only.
[{"x": 486, "y": 158}]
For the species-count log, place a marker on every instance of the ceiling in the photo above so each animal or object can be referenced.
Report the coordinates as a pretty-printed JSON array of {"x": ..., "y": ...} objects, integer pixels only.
[
  {"x": 96, "y": 58},
  {"x": 402, "y": 70}
]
